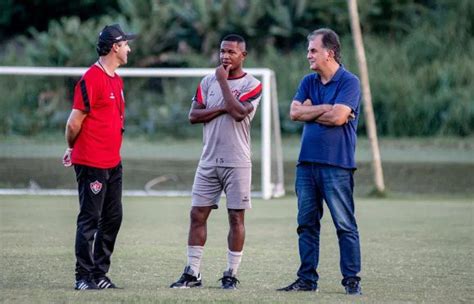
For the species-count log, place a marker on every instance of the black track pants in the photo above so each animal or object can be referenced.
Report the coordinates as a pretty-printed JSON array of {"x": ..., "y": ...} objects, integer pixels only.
[{"x": 99, "y": 219}]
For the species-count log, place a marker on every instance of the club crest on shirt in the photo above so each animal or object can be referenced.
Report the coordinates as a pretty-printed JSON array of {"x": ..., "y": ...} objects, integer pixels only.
[
  {"x": 96, "y": 187},
  {"x": 236, "y": 93},
  {"x": 112, "y": 96}
]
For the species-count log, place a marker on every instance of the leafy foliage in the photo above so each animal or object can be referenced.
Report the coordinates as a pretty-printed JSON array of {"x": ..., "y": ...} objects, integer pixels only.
[
  {"x": 418, "y": 51},
  {"x": 18, "y": 16}
]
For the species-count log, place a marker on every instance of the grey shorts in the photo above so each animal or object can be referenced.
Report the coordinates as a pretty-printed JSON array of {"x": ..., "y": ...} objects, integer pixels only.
[{"x": 210, "y": 181}]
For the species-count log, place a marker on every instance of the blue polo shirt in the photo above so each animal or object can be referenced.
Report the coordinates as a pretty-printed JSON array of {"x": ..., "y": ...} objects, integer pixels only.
[{"x": 330, "y": 145}]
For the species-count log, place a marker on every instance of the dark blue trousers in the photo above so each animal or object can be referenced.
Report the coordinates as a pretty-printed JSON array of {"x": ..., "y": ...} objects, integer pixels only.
[{"x": 315, "y": 183}]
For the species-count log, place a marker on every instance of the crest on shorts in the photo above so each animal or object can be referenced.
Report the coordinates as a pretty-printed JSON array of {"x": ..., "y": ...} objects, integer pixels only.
[{"x": 96, "y": 187}]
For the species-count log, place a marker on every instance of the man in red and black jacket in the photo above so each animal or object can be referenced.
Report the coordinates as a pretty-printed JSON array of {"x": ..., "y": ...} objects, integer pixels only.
[{"x": 94, "y": 137}]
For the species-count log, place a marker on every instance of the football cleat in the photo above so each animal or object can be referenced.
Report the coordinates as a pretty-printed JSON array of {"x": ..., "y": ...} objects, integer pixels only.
[
  {"x": 84, "y": 284},
  {"x": 104, "y": 283},
  {"x": 300, "y": 285},
  {"x": 229, "y": 281},
  {"x": 352, "y": 286},
  {"x": 188, "y": 279}
]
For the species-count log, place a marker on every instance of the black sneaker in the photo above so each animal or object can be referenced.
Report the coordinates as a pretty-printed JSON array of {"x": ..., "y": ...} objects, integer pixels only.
[
  {"x": 83, "y": 284},
  {"x": 299, "y": 285},
  {"x": 229, "y": 281},
  {"x": 188, "y": 279},
  {"x": 352, "y": 286},
  {"x": 104, "y": 283}
]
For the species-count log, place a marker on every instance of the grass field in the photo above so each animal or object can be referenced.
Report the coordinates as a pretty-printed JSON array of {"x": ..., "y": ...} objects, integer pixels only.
[
  {"x": 414, "y": 251},
  {"x": 453, "y": 150},
  {"x": 430, "y": 166}
]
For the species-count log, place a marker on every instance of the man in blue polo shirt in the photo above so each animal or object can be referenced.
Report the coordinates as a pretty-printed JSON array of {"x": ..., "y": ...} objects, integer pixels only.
[{"x": 328, "y": 103}]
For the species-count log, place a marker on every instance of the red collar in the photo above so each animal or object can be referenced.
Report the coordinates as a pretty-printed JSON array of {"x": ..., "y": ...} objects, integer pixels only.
[{"x": 237, "y": 77}]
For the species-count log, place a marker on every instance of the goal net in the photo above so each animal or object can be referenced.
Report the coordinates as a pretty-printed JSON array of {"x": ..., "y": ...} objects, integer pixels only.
[{"x": 268, "y": 163}]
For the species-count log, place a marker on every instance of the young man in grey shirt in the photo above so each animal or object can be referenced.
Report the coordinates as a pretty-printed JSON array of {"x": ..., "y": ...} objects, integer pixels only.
[{"x": 225, "y": 102}]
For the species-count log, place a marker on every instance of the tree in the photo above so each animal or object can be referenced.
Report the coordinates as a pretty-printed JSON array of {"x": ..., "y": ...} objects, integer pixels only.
[{"x": 368, "y": 109}]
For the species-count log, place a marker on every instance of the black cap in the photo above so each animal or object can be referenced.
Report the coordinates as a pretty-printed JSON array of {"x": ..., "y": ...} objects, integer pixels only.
[{"x": 111, "y": 34}]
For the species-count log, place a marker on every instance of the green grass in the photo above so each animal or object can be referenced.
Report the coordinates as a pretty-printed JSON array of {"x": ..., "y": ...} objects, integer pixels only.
[
  {"x": 414, "y": 250},
  {"x": 442, "y": 149},
  {"x": 411, "y": 165}
]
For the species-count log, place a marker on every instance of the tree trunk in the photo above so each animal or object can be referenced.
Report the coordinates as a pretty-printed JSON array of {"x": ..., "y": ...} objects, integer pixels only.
[{"x": 367, "y": 97}]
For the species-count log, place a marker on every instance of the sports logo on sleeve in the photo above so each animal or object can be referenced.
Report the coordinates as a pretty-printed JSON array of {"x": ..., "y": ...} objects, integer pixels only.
[
  {"x": 236, "y": 93},
  {"x": 96, "y": 187}
]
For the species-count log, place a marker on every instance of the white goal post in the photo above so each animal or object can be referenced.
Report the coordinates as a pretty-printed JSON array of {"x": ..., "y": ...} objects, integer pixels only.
[{"x": 268, "y": 110}]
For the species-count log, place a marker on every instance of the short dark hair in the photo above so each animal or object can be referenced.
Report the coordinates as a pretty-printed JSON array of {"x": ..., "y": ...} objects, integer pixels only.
[
  {"x": 104, "y": 47},
  {"x": 330, "y": 41},
  {"x": 234, "y": 37}
]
